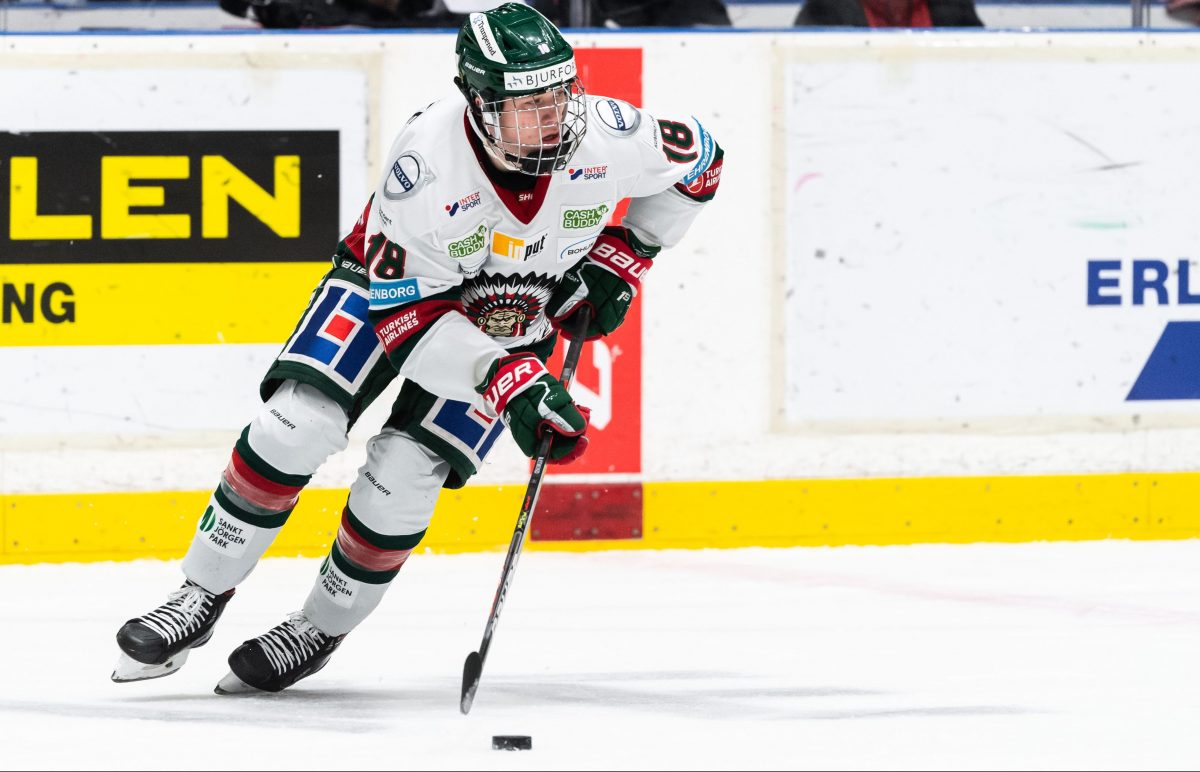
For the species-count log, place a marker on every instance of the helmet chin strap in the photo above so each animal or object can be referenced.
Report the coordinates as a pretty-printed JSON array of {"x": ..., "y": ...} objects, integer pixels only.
[{"x": 538, "y": 166}]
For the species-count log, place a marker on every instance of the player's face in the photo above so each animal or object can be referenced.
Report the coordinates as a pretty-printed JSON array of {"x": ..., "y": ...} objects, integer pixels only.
[
  {"x": 530, "y": 125},
  {"x": 535, "y": 133}
]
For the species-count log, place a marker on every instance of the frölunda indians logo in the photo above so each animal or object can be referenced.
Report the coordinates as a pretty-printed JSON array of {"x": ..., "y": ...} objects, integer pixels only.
[
  {"x": 208, "y": 520},
  {"x": 508, "y": 306}
]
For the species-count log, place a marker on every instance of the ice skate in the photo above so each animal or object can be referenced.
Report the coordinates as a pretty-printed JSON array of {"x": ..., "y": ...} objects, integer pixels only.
[
  {"x": 278, "y": 658},
  {"x": 157, "y": 644}
]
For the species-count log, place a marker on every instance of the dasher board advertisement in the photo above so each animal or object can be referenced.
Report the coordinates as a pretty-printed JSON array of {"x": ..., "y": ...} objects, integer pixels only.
[{"x": 980, "y": 241}]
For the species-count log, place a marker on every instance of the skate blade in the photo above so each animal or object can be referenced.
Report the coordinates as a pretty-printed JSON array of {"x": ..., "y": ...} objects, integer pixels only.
[
  {"x": 231, "y": 684},
  {"x": 129, "y": 669}
]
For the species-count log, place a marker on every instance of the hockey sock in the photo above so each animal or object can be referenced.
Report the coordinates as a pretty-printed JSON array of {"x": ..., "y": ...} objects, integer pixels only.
[
  {"x": 245, "y": 513},
  {"x": 355, "y": 575}
]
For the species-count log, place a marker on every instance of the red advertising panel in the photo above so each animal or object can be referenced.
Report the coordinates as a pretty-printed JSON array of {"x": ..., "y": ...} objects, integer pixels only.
[{"x": 608, "y": 380}]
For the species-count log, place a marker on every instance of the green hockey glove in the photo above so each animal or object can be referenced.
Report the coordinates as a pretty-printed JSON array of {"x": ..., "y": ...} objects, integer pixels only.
[
  {"x": 533, "y": 401},
  {"x": 607, "y": 280}
]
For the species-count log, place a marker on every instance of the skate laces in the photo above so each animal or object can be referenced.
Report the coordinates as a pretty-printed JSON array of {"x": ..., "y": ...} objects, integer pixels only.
[
  {"x": 288, "y": 645},
  {"x": 182, "y": 614}
]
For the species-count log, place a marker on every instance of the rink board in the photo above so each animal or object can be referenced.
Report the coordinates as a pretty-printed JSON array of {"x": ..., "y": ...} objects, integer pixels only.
[
  {"x": 127, "y": 526},
  {"x": 975, "y": 346}
]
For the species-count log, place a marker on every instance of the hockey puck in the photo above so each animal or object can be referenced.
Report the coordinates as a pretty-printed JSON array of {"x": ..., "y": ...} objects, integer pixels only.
[{"x": 512, "y": 742}]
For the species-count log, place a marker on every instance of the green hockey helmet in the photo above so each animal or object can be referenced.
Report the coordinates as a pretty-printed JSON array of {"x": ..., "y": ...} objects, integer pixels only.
[{"x": 518, "y": 75}]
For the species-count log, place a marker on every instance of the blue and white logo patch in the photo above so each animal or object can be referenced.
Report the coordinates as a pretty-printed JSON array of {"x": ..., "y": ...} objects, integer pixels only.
[
  {"x": 406, "y": 176},
  {"x": 619, "y": 118},
  {"x": 572, "y": 250},
  {"x": 706, "y": 156},
  {"x": 397, "y": 292}
]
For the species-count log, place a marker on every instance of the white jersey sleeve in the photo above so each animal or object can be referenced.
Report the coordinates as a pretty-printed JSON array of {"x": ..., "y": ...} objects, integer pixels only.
[{"x": 681, "y": 169}]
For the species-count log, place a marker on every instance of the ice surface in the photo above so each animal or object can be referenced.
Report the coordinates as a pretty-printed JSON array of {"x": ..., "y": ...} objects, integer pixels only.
[{"x": 1047, "y": 656}]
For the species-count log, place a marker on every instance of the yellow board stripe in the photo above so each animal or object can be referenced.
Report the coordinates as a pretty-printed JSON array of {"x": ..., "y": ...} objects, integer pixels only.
[
  {"x": 784, "y": 513},
  {"x": 158, "y": 303}
]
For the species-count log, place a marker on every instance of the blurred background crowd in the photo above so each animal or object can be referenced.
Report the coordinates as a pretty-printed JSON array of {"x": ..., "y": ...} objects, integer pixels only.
[{"x": 60, "y": 15}]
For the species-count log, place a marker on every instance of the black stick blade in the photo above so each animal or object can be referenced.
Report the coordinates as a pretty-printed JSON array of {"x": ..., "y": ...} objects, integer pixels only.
[{"x": 472, "y": 669}]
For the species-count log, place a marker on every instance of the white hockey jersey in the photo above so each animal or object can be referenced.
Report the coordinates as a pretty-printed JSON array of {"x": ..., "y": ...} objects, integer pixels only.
[{"x": 461, "y": 269}]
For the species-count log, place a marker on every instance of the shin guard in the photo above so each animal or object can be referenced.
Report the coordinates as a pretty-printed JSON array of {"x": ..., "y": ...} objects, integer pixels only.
[
  {"x": 296, "y": 430},
  {"x": 229, "y": 541},
  {"x": 386, "y": 515},
  {"x": 355, "y": 575}
]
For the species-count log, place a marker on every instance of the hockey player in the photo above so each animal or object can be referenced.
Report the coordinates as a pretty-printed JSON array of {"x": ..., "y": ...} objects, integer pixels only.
[{"x": 487, "y": 233}]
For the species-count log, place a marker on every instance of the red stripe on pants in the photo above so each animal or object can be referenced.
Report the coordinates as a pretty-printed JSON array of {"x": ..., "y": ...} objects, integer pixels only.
[
  {"x": 258, "y": 490},
  {"x": 367, "y": 556}
]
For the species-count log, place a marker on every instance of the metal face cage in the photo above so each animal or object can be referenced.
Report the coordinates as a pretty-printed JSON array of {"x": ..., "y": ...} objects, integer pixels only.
[{"x": 535, "y": 133}]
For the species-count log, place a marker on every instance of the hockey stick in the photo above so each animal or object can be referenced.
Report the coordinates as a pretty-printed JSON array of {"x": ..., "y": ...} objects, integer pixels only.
[{"x": 473, "y": 667}]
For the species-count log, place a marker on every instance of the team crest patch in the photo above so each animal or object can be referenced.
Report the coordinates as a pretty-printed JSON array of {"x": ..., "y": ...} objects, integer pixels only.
[{"x": 508, "y": 306}]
